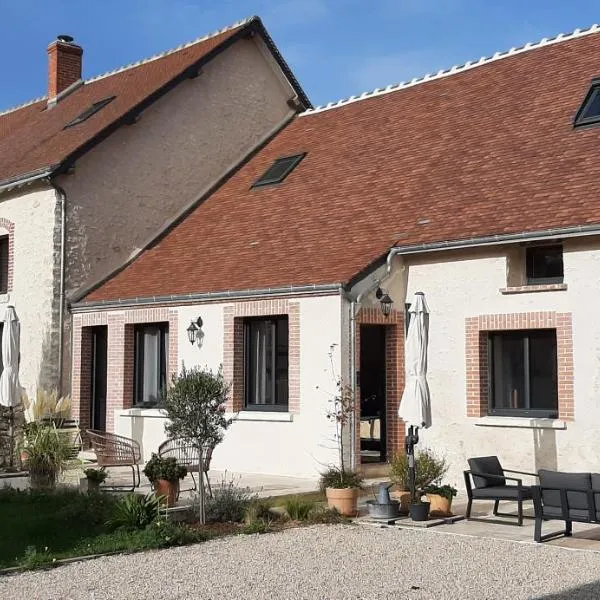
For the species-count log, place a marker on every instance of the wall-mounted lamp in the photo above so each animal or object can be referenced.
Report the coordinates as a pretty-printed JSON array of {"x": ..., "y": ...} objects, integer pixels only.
[
  {"x": 195, "y": 333},
  {"x": 385, "y": 301}
]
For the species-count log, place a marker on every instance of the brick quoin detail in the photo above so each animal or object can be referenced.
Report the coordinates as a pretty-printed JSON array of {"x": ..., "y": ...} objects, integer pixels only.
[
  {"x": 476, "y": 336},
  {"x": 233, "y": 348},
  {"x": 394, "y": 374},
  {"x": 120, "y": 358},
  {"x": 9, "y": 226}
]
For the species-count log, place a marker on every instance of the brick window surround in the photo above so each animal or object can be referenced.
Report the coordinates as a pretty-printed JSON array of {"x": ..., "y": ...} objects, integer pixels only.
[
  {"x": 120, "y": 358},
  {"x": 8, "y": 227},
  {"x": 394, "y": 374},
  {"x": 233, "y": 347},
  {"x": 476, "y": 335}
]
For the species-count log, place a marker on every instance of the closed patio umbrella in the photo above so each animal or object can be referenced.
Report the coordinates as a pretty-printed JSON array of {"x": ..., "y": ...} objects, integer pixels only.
[
  {"x": 9, "y": 380},
  {"x": 415, "y": 406}
]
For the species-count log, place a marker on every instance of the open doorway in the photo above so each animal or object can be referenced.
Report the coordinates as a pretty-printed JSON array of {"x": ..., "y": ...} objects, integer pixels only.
[
  {"x": 373, "y": 447},
  {"x": 99, "y": 372}
]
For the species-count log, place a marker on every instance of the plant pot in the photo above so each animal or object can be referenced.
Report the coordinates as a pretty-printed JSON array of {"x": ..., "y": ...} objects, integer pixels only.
[
  {"x": 419, "y": 512},
  {"x": 24, "y": 456},
  {"x": 168, "y": 489},
  {"x": 42, "y": 480},
  {"x": 404, "y": 498},
  {"x": 439, "y": 505},
  {"x": 89, "y": 486},
  {"x": 344, "y": 500}
]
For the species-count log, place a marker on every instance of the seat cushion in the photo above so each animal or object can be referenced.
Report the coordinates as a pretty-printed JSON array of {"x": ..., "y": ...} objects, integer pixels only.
[
  {"x": 490, "y": 465},
  {"x": 504, "y": 492},
  {"x": 576, "y": 485},
  {"x": 577, "y": 514}
]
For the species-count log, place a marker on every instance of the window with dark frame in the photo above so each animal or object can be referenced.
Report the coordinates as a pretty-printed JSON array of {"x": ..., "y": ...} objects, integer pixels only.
[
  {"x": 3, "y": 264},
  {"x": 266, "y": 362},
  {"x": 89, "y": 112},
  {"x": 523, "y": 373},
  {"x": 279, "y": 170},
  {"x": 589, "y": 112},
  {"x": 150, "y": 363},
  {"x": 544, "y": 264},
  {"x": 1, "y": 334}
]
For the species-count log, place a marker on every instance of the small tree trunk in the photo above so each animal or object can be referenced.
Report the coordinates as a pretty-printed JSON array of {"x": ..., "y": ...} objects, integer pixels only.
[{"x": 201, "y": 491}]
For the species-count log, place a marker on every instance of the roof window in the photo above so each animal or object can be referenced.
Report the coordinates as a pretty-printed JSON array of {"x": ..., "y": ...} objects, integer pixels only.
[
  {"x": 279, "y": 170},
  {"x": 590, "y": 109},
  {"x": 89, "y": 112}
]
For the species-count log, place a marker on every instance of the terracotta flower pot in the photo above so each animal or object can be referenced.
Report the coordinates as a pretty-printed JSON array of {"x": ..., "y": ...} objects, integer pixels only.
[
  {"x": 345, "y": 500},
  {"x": 439, "y": 506},
  {"x": 24, "y": 457},
  {"x": 168, "y": 489}
]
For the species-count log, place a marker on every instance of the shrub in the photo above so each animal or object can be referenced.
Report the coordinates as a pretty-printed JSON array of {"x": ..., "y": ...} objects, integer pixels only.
[
  {"x": 36, "y": 559},
  {"x": 47, "y": 405},
  {"x": 260, "y": 510},
  {"x": 338, "y": 478},
  {"x": 135, "y": 511},
  {"x": 47, "y": 453},
  {"x": 164, "y": 468},
  {"x": 229, "y": 503},
  {"x": 429, "y": 469},
  {"x": 325, "y": 515},
  {"x": 446, "y": 491},
  {"x": 257, "y": 526},
  {"x": 162, "y": 533},
  {"x": 298, "y": 509},
  {"x": 98, "y": 475}
]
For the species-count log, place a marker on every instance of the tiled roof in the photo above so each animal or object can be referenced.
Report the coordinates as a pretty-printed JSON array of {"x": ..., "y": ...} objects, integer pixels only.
[
  {"x": 33, "y": 139},
  {"x": 486, "y": 151}
]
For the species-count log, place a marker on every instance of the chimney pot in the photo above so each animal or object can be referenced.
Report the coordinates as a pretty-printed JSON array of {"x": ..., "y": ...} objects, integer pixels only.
[{"x": 64, "y": 65}]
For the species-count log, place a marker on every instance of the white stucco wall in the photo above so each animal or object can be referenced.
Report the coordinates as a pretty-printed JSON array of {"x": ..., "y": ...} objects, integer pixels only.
[
  {"x": 463, "y": 285},
  {"x": 296, "y": 444},
  {"x": 32, "y": 210}
]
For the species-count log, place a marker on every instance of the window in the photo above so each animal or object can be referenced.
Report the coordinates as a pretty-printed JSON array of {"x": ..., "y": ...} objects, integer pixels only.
[
  {"x": 266, "y": 363},
  {"x": 89, "y": 112},
  {"x": 589, "y": 111},
  {"x": 279, "y": 170},
  {"x": 523, "y": 373},
  {"x": 150, "y": 367},
  {"x": 1, "y": 334},
  {"x": 544, "y": 264},
  {"x": 3, "y": 264}
]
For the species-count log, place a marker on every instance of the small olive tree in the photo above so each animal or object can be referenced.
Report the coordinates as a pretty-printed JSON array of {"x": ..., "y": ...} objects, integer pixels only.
[{"x": 195, "y": 407}]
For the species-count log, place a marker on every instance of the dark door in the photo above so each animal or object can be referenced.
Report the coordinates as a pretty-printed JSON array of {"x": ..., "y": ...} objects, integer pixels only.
[
  {"x": 372, "y": 394},
  {"x": 98, "y": 407}
]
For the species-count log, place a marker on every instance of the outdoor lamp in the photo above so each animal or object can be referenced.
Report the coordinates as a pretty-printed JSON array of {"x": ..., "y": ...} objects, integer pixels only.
[
  {"x": 194, "y": 331},
  {"x": 385, "y": 301}
]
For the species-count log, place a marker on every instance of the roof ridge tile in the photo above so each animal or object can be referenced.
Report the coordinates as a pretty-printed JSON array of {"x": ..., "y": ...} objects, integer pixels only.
[
  {"x": 561, "y": 37},
  {"x": 23, "y": 105},
  {"x": 183, "y": 46}
]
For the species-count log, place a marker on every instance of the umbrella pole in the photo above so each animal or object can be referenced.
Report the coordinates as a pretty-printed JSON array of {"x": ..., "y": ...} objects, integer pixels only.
[
  {"x": 411, "y": 439},
  {"x": 11, "y": 416}
]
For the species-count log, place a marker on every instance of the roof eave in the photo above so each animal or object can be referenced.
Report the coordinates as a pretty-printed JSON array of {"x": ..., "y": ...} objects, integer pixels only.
[{"x": 27, "y": 178}]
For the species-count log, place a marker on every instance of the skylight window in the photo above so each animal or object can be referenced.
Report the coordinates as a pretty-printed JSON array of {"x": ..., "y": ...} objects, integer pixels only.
[
  {"x": 590, "y": 109},
  {"x": 89, "y": 112},
  {"x": 279, "y": 170}
]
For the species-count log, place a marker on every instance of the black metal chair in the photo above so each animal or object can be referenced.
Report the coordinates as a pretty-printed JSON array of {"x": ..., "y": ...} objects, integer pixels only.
[
  {"x": 187, "y": 455},
  {"x": 487, "y": 480}
]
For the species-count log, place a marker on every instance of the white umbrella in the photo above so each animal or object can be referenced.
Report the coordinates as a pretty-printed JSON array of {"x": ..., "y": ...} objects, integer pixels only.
[
  {"x": 415, "y": 406},
  {"x": 9, "y": 380}
]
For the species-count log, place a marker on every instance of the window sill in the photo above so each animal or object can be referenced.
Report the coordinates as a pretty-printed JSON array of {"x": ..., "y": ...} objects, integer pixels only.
[
  {"x": 156, "y": 413},
  {"x": 521, "y": 422},
  {"x": 529, "y": 289},
  {"x": 260, "y": 415}
]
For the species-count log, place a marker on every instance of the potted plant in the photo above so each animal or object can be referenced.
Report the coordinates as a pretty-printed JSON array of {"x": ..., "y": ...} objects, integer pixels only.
[
  {"x": 440, "y": 499},
  {"x": 45, "y": 453},
  {"x": 92, "y": 480},
  {"x": 341, "y": 485},
  {"x": 429, "y": 470},
  {"x": 164, "y": 475}
]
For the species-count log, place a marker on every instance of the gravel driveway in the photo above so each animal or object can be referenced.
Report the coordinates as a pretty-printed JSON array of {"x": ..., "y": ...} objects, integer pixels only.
[{"x": 325, "y": 562}]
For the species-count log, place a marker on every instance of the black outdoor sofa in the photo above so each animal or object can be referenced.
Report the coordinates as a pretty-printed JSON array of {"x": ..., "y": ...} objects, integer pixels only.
[
  {"x": 565, "y": 497},
  {"x": 487, "y": 480}
]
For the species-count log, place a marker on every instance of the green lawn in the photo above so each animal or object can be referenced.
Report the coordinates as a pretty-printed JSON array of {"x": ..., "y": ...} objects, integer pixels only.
[{"x": 38, "y": 528}]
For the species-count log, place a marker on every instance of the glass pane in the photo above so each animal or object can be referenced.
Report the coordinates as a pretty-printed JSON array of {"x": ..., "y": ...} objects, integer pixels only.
[
  {"x": 151, "y": 353},
  {"x": 592, "y": 110},
  {"x": 508, "y": 372},
  {"x": 545, "y": 263},
  {"x": 281, "y": 381},
  {"x": 543, "y": 370},
  {"x": 260, "y": 362}
]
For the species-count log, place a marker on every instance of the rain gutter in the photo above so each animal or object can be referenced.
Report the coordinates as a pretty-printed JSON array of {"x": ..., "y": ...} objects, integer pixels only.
[
  {"x": 494, "y": 240},
  {"x": 22, "y": 180},
  {"x": 177, "y": 299}
]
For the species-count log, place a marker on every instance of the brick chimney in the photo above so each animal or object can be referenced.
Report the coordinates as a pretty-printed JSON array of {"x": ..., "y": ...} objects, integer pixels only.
[{"x": 64, "y": 66}]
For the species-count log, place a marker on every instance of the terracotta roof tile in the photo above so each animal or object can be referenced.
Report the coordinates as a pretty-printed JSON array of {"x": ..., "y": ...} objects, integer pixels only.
[{"x": 489, "y": 150}]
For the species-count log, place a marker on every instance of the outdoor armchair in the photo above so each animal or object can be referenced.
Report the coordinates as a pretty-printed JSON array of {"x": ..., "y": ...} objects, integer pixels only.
[
  {"x": 116, "y": 451},
  {"x": 187, "y": 455},
  {"x": 487, "y": 480}
]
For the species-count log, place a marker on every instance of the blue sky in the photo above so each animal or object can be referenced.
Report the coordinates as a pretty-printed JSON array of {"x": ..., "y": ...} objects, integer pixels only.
[{"x": 336, "y": 47}]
